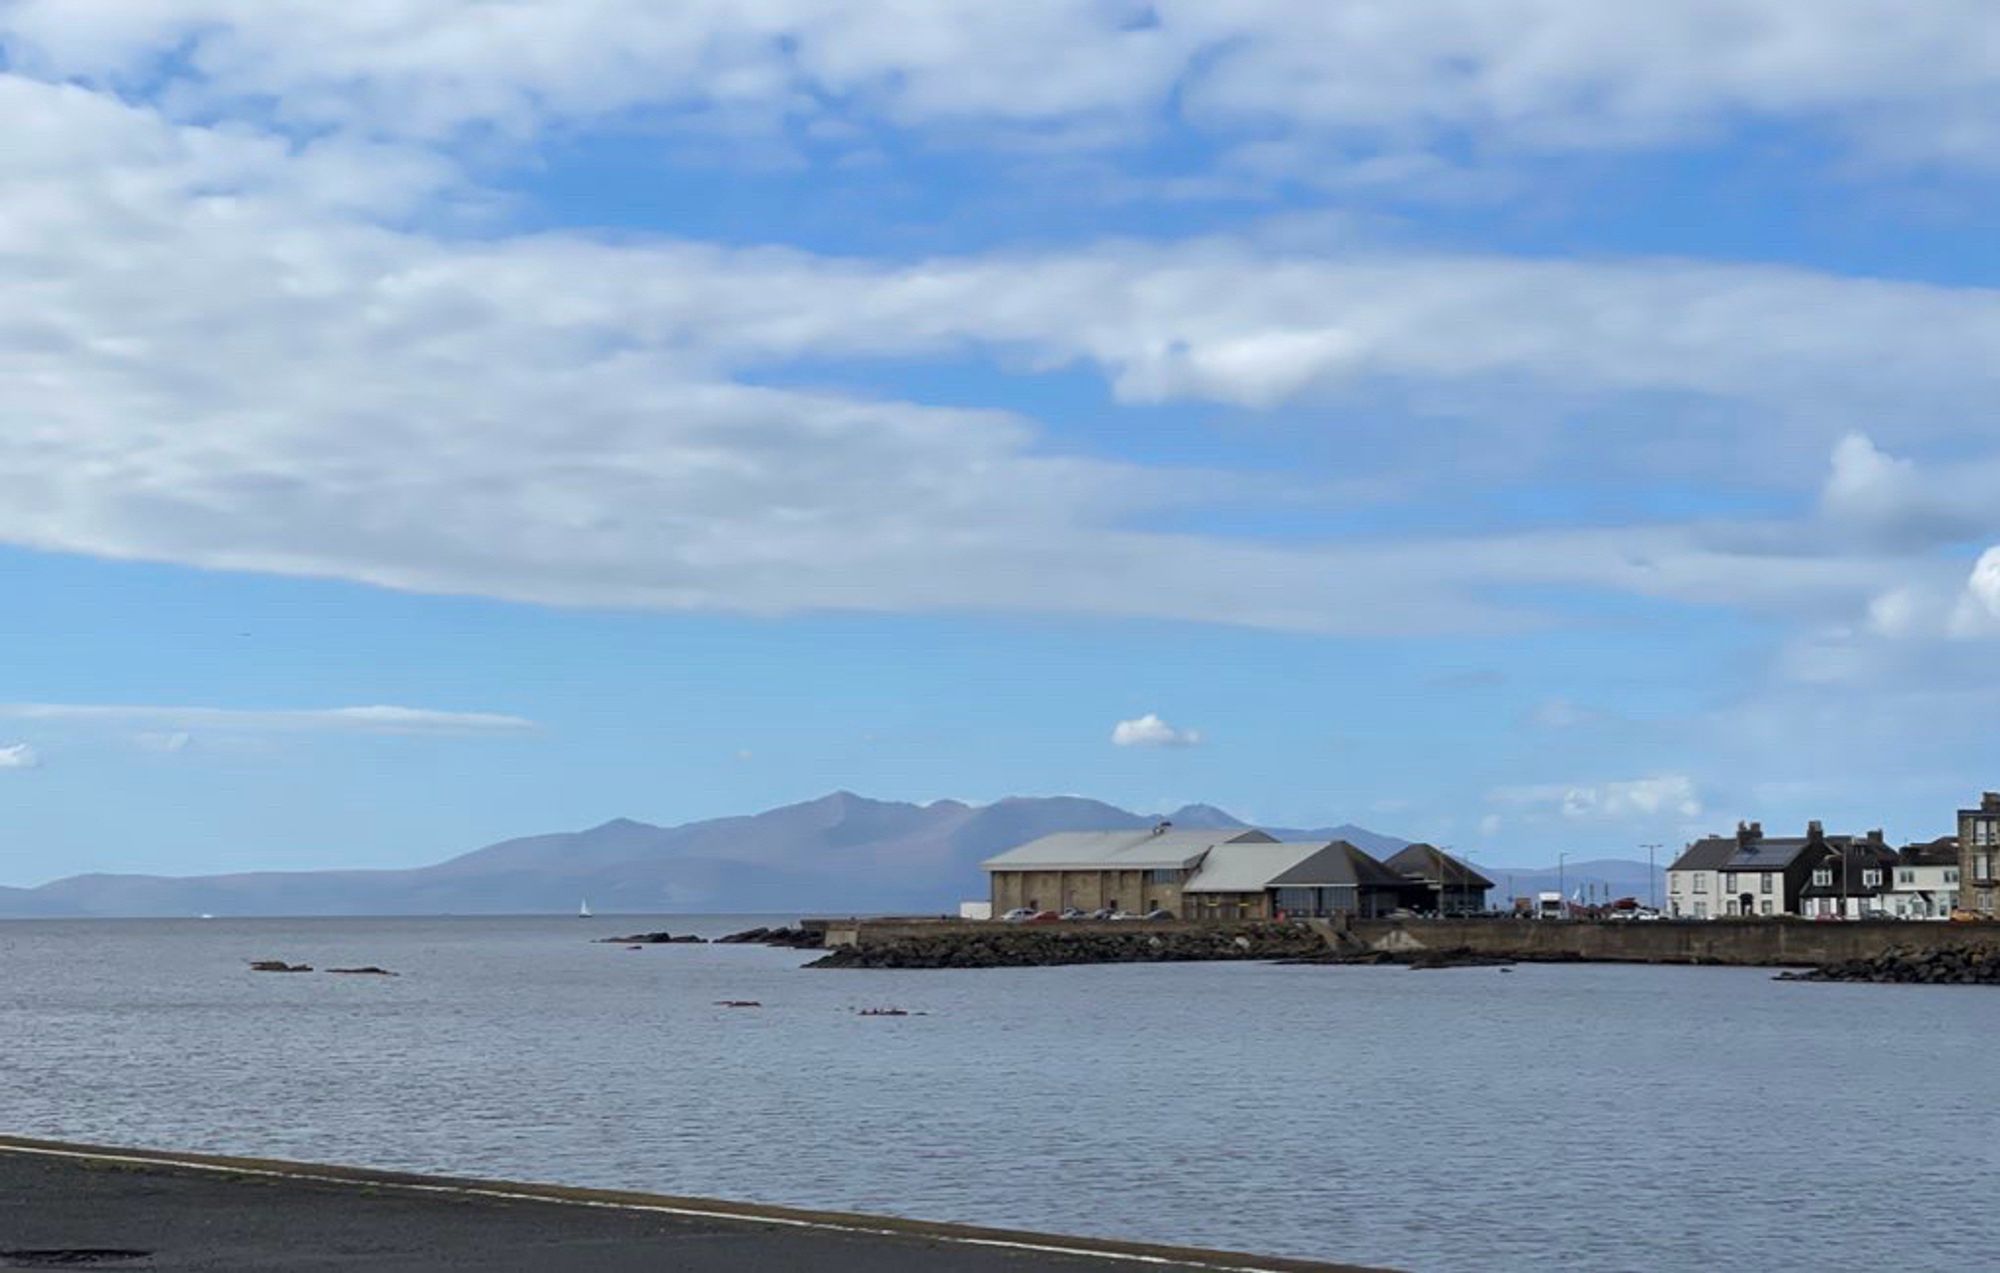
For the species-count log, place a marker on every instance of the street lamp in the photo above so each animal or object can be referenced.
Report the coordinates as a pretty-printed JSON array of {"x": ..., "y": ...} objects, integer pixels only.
[
  {"x": 1652, "y": 878},
  {"x": 1562, "y": 882}
]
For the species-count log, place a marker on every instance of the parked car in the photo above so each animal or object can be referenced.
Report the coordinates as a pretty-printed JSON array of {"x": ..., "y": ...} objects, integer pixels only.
[
  {"x": 1019, "y": 915},
  {"x": 1072, "y": 912},
  {"x": 1043, "y": 917},
  {"x": 1102, "y": 913},
  {"x": 1159, "y": 914},
  {"x": 1121, "y": 915}
]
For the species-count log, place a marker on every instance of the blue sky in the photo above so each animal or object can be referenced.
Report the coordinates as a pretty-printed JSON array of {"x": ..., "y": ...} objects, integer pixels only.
[{"x": 1518, "y": 424}]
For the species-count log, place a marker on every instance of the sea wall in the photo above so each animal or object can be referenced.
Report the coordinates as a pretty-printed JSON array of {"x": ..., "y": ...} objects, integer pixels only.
[
  {"x": 1762, "y": 942},
  {"x": 1769, "y": 942}
]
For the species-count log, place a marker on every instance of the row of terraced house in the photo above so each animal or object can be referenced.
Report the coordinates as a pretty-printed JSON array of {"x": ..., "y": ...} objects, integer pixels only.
[{"x": 1822, "y": 876}]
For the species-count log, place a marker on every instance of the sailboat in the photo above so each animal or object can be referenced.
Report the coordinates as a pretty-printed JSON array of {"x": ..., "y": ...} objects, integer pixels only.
[{"x": 583, "y": 909}]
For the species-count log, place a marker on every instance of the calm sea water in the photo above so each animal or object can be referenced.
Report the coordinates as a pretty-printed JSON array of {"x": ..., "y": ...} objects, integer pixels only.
[{"x": 1575, "y": 1117}]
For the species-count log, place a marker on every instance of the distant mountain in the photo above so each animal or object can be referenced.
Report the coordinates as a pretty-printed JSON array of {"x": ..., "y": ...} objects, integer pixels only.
[
  {"x": 840, "y": 853},
  {"x": 1609, "y": 878}
]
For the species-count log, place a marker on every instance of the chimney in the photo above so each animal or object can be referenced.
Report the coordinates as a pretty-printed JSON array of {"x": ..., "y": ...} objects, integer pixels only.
[
  {"x": 1748, "y": 833},
  {"x": 1990, "y": 802},
  {"x": 1815, "y": 832},
  {"x": 1876, "y": 837}
]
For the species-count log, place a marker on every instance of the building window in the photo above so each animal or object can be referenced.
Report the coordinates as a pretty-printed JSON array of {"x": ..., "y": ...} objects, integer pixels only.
[
  {"x": 1871, "y": 879},
  {"x": 1701, "y": 910},
  {"x": 1163, "y": 877},
  {"x": 1701, "y": 881},
  {"x": 1765, "y": 906},
  {"x": 1951, "y": 875},
  {"x": 1905, "y": 876},
  {"x": 1729, "y": 882},
  {"x": 1982, "y": 867},
  {"x": 1764, "y": 882},
  {"x": 1822, "y": 877},
  {"x": 1673, "y": 881}
]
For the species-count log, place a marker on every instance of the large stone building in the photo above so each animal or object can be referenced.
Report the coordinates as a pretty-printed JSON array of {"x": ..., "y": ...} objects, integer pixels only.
[
  {"x": 1979, "y": 857},
  {"x": 1137, "y": 870},
  {"x": 1308, "y": 880}
]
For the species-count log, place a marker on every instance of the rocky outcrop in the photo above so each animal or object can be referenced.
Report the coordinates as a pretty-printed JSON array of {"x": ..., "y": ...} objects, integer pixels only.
[
  {"x": 1050, "y": 946},
  {"x": 794, "y": 938},
  {"x": 661, "y": 938},
  {"x": 1913, "y": 965},
  {"x": 1418, "y": 958},
  {"x": 277, "y": 965},
  {"x": 367, "y": 970}
]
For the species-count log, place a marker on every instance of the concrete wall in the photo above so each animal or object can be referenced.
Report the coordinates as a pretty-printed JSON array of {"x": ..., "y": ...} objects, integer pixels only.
[{"x": 1633, "y": 941}]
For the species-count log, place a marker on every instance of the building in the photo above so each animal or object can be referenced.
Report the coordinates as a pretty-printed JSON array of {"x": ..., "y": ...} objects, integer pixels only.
[
  {"x": 1979, "y": 857},
  {"x": 1926, "y": 880},
  {"x": 1854, "y": 880},
  {"x": 1234, "y": 881},
  {"x": 1341, "y": 879},
  {"x": 1133, "y": 870},
  {"x": 1454, "y": 887},
  {"x": 1749, "y": 874}
]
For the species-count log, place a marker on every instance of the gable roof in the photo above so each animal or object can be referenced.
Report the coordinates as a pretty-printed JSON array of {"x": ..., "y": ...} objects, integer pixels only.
[
  {"x": 1426, "y": 862},
  {"x": 1336, "y": 864},
  {"x": 1940, "y": 852},
  {"x": 1766, "y": 853},
  {"x": 1705, "y": 854},
  {"x": 1248, "y": 868},
  {"x": 1137, "y": 849}
]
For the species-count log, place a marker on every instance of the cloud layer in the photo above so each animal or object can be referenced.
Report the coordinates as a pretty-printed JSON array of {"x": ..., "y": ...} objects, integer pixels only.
[
  {"x": 169, "y": 726},
  {"x": 1150, "y": 731}
]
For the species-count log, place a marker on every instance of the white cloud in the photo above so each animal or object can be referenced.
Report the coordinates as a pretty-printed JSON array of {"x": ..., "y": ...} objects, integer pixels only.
[
  {"x": 1661, "y": 796},
  {"x": 1370, "y": 85},
  {"x": 1150, "y": 731},
  {"x": 258, "y": 380},
  {"x": 172, "y": 723},
  {"x": 19, "y": 756}
]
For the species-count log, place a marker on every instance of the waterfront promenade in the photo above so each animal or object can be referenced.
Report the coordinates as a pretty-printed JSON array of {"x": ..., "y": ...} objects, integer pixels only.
[{"x": 69, "y": 1206}]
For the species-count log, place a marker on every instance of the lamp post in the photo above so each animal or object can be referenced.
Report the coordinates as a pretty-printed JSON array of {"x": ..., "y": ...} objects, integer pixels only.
[
  {"x": 1562, "y": 882},
  {"x": 1652, "y": 878}
]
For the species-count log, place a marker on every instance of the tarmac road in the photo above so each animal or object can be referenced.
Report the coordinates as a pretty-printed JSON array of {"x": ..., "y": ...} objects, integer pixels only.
[{"x": 81, "y": 1207}]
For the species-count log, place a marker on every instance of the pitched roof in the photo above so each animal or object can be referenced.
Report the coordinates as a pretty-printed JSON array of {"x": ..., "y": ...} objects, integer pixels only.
[
  {"x": 1939, "y": 852},
  {"x": 1137, "y": 849},
  {"x": 1248, "y": 868},
  {"x": 1425, "y": 861},
  {"x": 1705, "y": 855},
  {"x": 1340, "y": 863}
]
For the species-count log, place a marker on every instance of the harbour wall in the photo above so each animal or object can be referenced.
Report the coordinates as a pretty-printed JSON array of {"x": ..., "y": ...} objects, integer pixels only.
[{"x": 1757, "y": 942}]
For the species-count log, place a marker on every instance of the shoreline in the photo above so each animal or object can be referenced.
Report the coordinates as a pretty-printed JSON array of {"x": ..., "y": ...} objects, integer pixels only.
[{"x": 161, "y": 1209}]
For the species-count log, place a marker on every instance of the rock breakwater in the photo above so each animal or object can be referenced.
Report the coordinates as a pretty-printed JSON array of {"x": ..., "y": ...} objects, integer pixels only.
[
  {"x": 1911, "y": 965},
  {"x": 1051, "y": 946}
]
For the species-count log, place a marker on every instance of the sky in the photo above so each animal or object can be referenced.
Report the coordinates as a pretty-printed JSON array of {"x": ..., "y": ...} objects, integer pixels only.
[{"x": 1533, "y": 426}]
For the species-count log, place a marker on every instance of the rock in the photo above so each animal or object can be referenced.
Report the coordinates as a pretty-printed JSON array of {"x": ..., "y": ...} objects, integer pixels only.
[
  {"x": 651, "y": 939},
  {"x": 1041, "y": 946},
  {"x": 368, "y": 970},
  {"x": 1906, "y": 965},
  {"x": 277, "y": 965},
  {"x": 800, "y": 938},
  {"x": 737, "y": 1003}
]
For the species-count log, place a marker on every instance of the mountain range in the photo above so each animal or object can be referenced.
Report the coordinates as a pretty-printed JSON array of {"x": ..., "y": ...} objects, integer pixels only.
[{"x": 840, "y": 853}]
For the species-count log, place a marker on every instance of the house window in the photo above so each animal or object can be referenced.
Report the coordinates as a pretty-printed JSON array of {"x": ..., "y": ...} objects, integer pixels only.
[
  {"x": 1764, "y": 907},
  {"x": 1673, "y": 881},
  {"x": 1764, "y": 882},
  {"x": 1822, "y": 877},
  {"x": 1951, "y": 875},
  {"x": 1982, "y": 867},
  {"x": 1905, "y": 876},
  {"x": 1701, "y": 910},
  {"x": 1701, "y": 881},
  {"x": 1163, "y": 877},
  {"x": 1729, "y": 882},
  {"x": 1871, "y": 879}
]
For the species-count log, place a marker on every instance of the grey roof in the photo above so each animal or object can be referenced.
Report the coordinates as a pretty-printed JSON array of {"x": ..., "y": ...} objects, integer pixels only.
[
  {"x": 1426, "y": 861},
  {"x": 1939, "y": 852},
  {"x": 1768, "y": 853},
  {"x": 1138, "y": 849},
  {"x": 1248, "y": 868},
  {"x": 1340, "y": 863}
]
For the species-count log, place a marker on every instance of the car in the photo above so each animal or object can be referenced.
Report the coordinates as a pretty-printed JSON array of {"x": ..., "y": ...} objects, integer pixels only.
[
  {"x": 1043, "y": 917},
  {"x": 1072, "y": 912},
  {"x": 1102, "y": 913},
  {"x": 1157, "y": 914},
  {"x": 1121, "y": 916},
  {"x": 1019, "y": 915}
]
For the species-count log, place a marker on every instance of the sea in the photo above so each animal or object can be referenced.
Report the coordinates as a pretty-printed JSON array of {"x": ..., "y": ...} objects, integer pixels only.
[{"x": 1552, "y": 1116}]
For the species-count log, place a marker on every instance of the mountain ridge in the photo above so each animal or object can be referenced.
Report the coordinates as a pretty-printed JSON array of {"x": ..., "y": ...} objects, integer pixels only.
[{"x": 841, "y": 852}]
